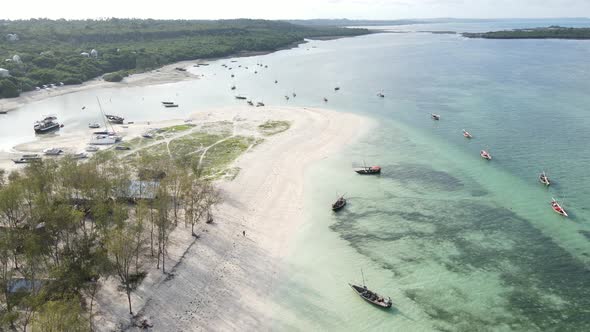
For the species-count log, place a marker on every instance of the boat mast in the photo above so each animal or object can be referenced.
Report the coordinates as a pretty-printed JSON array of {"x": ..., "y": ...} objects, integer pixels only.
[
  {"x": 104, "y": 117},
  {"x": 362, "y": 274}
]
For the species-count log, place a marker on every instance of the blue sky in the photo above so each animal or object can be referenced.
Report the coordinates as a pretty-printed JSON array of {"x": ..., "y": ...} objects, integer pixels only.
[{"x": 279, "y": 9}]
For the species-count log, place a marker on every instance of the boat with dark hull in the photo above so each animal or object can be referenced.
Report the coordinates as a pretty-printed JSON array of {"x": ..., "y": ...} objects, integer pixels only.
[
  {"x": 368, "y": 170},
  {"x": 370, "y": 296},
  {"x": 241, "y": 97},
  {"x": 27, "y": 159},
  {"x": 339, "y": 204},
  {"x": 114, "y": 119},
  {"x": 48, "y": 124},
  {"x": 544, "y": 179}
]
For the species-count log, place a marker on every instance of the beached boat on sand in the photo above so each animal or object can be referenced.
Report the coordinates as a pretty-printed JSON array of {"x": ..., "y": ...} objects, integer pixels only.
[
  {"x": 53, "y": 151},
  {"x": 48, "y": 124}
]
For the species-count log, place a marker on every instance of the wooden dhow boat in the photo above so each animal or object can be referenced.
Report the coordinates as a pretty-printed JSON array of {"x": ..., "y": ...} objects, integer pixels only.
[
  {"x": 485, "y": 155},
  {"x": 558, "y": 208},
  {"x": 370, "y": 296},
  {"x": 544, "y": 179},
  {"x": 339, "y": 204}
]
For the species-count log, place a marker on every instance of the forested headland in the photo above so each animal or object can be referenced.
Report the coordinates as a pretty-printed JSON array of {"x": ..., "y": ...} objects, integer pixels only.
[
  {"x": 552, "y": 32},
  {"x": 41, "y": 52}
]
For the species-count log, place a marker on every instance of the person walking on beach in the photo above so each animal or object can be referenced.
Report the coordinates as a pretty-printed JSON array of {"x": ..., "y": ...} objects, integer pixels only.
[{"x": 244, "y": 233}]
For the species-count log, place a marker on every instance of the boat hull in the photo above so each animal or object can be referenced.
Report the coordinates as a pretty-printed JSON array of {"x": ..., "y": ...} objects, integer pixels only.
[{"x": 361, "y": 291}]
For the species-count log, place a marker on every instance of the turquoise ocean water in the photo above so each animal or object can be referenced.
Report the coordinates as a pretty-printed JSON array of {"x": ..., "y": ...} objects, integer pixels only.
[{"x": 458, "y": 243}]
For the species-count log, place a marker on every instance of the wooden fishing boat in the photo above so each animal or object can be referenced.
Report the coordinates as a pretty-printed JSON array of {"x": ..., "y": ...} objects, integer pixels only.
[
  {"x": 466, "y": 134},
  {"x": 167, "y": 102},
  {"x": 240, "y": 97},
  {"x": 544, "y": 179},
  {"x": 170, "y": 105},
  {"x": 339, "y": 204},
  {"x": 485, "y": 155},
  {"x": 557, "y": 208},
  {"x": 114, "y": 119},
  {"x": 370, "y": 296},
  {"x": 53, "y": 151},
  {"x": 325, "y": 99},
  {"x": 337, "y": 88},
  {"x": 368, "y": 170}
]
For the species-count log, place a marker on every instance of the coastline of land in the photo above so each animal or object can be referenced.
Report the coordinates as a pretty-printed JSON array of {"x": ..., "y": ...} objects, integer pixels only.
[
  {"x": 551, "y": 32},
  {"x": 225, "y": 279}
]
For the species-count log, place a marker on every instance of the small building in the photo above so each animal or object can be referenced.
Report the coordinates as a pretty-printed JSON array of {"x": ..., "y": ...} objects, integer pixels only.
[
  {"x": 12, "y": 37},
  {"x": 137, "y": 190},
  {"x": 4, "y": 72}
]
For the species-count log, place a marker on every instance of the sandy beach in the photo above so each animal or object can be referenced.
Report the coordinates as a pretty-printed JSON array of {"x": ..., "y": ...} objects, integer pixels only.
[
  {"x": 165, "y": 74},
  {"x": 225, "y": 280}
]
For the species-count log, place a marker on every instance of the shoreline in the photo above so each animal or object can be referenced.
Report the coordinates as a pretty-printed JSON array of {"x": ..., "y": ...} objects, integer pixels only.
[
  {"x": 162, "y": 75},
  {"x": 225, "y": 280}
]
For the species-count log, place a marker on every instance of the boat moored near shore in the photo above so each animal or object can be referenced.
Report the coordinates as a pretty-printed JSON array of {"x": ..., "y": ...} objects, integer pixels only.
[{"x": 485, "y": 155}]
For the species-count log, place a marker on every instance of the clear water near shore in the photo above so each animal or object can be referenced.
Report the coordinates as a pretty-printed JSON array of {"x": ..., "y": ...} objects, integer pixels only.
[{"x": 458, "y": 243}]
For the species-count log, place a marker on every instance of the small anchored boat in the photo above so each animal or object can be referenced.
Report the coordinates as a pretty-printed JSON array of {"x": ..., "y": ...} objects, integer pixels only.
[
  {"x": 53, "y": 151},
  {"x": 380, "y": 95},
  {"x": 544, "y": 179},
  {"x": 370, "y": 296},
  {"x": 259, "y": 104},
  {"x": 325, "y": 99},
  {"x": 250, "y": 103},
  {"x": 48, "y": 124},
  {"x": 337, "y": 88},
  {"x": 286, "y": 97},
  {"x": 485, "y": 155},
  {"x": 435, "y": 116},
  {"x": 167, "y": 102},
  {"x": 114, "y": 119},
  {"x": 94, "y": 125},
  {"x": 240, "y": 97},
  {"x": 233, "y": 87},
  {"x": 92, "y": 148},
  {"x": 367, "y": 170},
  {"x": 466, "y": 134},
  {"x": 27, "y": 158},
  {"x": 170, "y": 105},
  {"x": 339, "y": 204},
  {"x": 557, "y": 208}
]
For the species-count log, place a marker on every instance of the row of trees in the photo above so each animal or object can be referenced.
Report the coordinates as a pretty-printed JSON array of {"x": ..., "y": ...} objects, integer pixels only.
[
  {"x": 65, "y": 227},
  {"x": 553, "y": 32},
  {"x": 50, "y": 50}
]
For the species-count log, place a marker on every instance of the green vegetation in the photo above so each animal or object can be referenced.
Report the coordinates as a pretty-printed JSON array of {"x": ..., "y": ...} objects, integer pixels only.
[
  {"x": 552, "y": 32},
  {"x": 66, "y": 226},
  {"x": 274, "y": 127},
  {"x": 176, "y": 129},
  {"x": 53, "y": 51}
]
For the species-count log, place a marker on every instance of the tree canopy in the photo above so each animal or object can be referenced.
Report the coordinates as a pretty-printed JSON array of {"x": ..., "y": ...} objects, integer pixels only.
[{"x": 53, "y": 51}]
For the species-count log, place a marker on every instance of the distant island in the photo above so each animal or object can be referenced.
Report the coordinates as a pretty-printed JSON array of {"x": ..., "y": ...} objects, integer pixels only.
[
  {"x": 551, "y": 32},
  {"x": 39, "y": 52}
]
